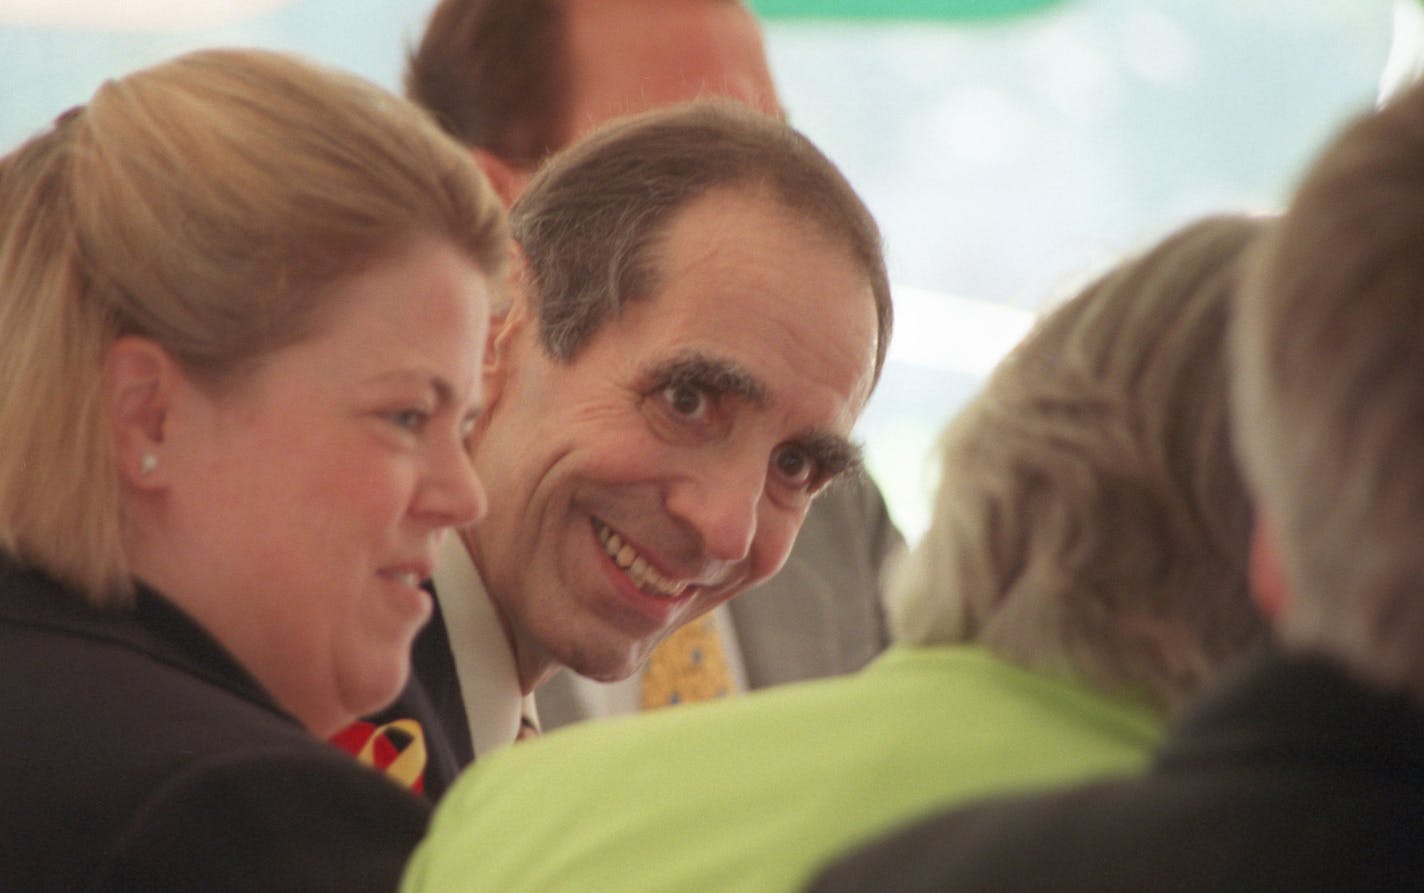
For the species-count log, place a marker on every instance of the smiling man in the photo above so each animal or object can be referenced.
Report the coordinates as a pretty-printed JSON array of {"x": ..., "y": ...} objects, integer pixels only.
[
  {"x": 699, "y": 311},
  {"x": 653, "y": 455},
  {"x": 516, "y": 80}
]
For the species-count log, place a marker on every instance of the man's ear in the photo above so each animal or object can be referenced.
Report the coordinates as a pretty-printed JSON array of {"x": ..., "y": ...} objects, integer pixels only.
[
  {"x": 508, "y": 179},
  {"x": 139, "y": 381},
  {"x": 1268, "y": 581},
  {"x": 506, "y": 341}
]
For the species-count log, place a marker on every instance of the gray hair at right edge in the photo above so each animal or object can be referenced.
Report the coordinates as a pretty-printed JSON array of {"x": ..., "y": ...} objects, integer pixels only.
[
  {"x": 1090, "y": 519},
  {"x": 590, "y": 222},
  {"x": 1329, "y": 349}
]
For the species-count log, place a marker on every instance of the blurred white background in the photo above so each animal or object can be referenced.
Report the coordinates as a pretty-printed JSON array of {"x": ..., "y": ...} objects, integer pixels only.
[{"x": 1006, "y": 161}]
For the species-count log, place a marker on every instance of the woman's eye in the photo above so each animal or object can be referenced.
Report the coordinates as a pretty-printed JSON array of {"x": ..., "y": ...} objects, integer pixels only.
[
  {"x": 409, "y": 419},
  {"x": 794, "y": 466},
  {"x": 685, "y": 400}
]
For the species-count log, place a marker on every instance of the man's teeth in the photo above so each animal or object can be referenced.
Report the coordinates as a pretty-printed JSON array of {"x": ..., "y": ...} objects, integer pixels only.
[
  {"x": 644, "y": 576},
  {"x": 409, "y": 578}
]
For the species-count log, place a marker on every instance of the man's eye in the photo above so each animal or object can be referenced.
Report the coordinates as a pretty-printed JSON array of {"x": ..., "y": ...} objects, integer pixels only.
[
  {"x": 685, "y": 400},
  {"x": 794, "y": 466}
]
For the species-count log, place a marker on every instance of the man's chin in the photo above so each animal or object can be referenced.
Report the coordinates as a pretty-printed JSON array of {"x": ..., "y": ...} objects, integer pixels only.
[{"x": 607, "y": 668}]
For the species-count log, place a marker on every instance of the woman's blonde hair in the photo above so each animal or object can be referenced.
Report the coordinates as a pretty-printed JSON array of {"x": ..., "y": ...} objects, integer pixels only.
[
  {"x": 204, "y": 203},
  {"x": 1090, "y": 518}
]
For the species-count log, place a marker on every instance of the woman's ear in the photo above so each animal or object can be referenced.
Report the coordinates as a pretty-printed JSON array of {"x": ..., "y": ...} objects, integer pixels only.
[
  {"x": 138, "y": 389},
  {"x": 1268, "y": 583}
]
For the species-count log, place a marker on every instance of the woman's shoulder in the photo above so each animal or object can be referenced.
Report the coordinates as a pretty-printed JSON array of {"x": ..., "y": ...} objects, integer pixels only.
[{"x": 145, "y": 746}]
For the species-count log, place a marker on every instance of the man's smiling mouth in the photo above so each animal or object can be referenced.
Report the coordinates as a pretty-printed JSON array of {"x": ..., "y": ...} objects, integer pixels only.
[{"x": 646, "y": 577}]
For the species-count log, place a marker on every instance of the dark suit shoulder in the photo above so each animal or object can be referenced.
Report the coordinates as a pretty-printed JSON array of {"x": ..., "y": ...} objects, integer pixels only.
[
  {"x": 122, "y": 732},
  {"x": 1279, "y": 833},
  {"x": 1265, "y": 786},
  {"x": 267, "y": 818}
]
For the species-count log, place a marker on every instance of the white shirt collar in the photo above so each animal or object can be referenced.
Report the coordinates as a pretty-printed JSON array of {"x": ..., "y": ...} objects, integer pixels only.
[{"x": 484, "y": 660}]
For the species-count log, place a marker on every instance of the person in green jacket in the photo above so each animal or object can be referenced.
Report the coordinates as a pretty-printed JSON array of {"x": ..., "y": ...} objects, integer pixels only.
[{"x": 1084, "y": 573}]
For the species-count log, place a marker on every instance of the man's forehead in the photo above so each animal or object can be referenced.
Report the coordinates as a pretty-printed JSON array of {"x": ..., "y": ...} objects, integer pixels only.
[{"x": 742, "y": 273}]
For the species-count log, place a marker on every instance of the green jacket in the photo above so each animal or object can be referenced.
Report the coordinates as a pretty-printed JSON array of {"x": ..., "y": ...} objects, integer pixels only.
[{"x": 756, "y": 792}]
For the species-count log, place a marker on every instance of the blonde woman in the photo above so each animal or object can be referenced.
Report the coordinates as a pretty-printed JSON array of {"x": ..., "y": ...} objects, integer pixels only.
[{"x": 243, "y": 302}]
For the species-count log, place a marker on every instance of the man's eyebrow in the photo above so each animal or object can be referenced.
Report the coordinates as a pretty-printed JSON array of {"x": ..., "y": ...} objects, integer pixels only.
[
  {"x": 714, "y": 374},
  {"x": 833, "y": 453}
]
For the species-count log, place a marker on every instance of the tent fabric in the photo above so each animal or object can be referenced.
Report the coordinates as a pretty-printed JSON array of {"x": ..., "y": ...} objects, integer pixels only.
[{"x": 948, "y": 10}]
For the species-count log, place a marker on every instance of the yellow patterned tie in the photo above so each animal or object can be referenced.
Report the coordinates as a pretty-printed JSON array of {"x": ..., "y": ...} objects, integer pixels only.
[{"x": 689, "y": 665}]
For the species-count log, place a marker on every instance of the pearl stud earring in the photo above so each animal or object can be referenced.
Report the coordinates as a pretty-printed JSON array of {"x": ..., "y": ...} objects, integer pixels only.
[{"x": 147, "y": 464}]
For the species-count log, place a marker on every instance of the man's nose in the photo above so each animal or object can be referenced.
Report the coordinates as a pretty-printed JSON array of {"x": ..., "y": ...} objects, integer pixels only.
[{"x": 721, "y": 504}]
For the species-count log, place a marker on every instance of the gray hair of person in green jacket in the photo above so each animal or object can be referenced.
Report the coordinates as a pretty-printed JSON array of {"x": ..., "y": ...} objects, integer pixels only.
[{"x": 1090, "y": 518}]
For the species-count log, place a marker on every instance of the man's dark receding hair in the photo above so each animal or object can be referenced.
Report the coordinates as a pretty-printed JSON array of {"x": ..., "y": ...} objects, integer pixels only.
[{"x": 590, "y": 222}]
